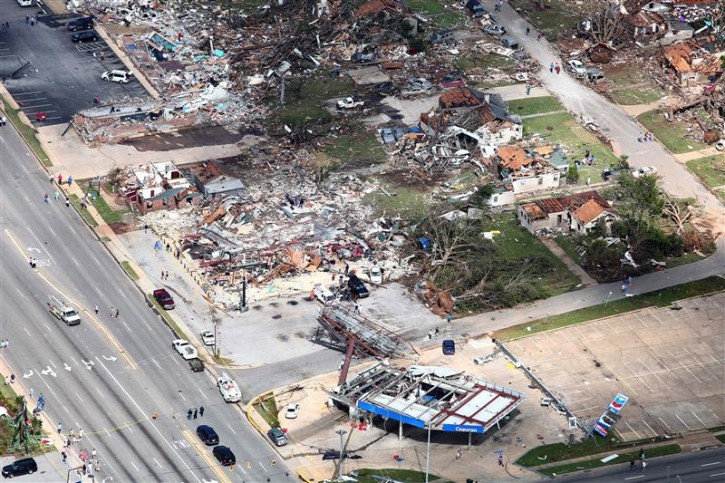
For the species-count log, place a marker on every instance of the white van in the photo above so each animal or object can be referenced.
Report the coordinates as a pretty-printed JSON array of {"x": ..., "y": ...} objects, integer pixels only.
[
  {"x": 323, "y": 294},
  {"x": 26, "y": 3}
]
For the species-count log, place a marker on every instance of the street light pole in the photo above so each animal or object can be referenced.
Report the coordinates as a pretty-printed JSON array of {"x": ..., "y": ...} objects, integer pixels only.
[
  {"x": 67, "y": 479},
  {"x": 427, "y": 455},
  {"x": 341, "y": 433}
]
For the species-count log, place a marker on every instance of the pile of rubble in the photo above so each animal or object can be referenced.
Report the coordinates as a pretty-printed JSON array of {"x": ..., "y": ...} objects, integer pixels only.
[{"x": 283, "y": 235}]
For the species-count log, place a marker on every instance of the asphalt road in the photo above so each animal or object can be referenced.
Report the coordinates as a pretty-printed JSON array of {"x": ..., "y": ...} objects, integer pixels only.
[
  {"x": 108, "y": 375},
  {"x": 62, "y": 77},
  {"x": 697, "y": 467}
]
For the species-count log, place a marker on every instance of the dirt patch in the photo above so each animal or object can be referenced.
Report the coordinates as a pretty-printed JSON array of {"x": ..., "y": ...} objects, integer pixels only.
[
  {"x": 415, "y": 180},
  {"x": 123, "y": 227}
]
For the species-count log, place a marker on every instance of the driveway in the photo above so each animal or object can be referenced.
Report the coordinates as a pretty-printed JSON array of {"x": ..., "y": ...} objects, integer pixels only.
[
  {"x": 614, "y": 122},
  {"x": 45, "y": 72}
]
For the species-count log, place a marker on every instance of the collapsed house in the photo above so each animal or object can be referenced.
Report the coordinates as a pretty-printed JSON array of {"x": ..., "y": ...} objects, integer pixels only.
[
  {"x": 579, "y": 212},
  {"x": 433, "y": 398},
  {"x": 522, "y": 171},
  {"x": 692, "y": 64},
  {"x": 158, "y": 186}
]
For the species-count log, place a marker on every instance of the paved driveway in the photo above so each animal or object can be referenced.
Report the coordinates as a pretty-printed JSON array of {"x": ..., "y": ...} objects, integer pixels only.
[{"x": 45, "y": 72}]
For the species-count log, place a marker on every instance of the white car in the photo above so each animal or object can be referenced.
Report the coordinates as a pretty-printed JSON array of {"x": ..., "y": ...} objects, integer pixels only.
[
  {"x": 577, "y": 68},
  {"x": 120, "y": 76},
  {"x": 644, "y": 171},
  {"x": 207, "y": 337},
  {"x": 323, "y": 294},
  {"x": 185, "y": 349},
  {"x": 292, "y": 410},
  {"x": 376, "y": 275}
]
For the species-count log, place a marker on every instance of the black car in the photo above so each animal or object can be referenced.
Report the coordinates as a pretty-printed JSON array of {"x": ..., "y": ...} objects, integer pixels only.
[
  {"x": 224, "y": 455},
  {"x": 196, "y": 365},
  {"x": 25, "y": 466},
  {"x": 358, "y": 288},
  {"x": 207, "y": 435},
  {"x": 84, "y": 23},
  {"x": 449, "y": 347},
  {"x": 89, "y": 36}
]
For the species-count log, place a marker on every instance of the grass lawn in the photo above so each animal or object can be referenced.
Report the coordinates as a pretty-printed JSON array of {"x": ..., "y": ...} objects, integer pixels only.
[
  {"x": 558, "y": 16},
  {"x": 304, "y": 100},
  {"x": 711, "y": 169},
  {"x": 515, "y": 242},
  {"x": 435, "y": 11},
  {"x": 169, "y": 321},
  {"x": 266, "y": 406},
  {"x": 534, "y": 105},
  {"x": 671, "y": 134},
  {"x": 410, "y": 203},
  {"x": 624, "y": 458},
  {"x": 84, "y": 213},
  {"x": 629, "y": 85},
  {"x": 360, "y": 148},
  {"x": 130, "y": 271},
  {"x": 631, "y": 96},
  {"x": 109, "y": 215},
  {"x": 662, "y": 298},
  {"x": 569, "y": 246},
  {"x": 564, "y": 129},
  {"x": 28, "y": 133},
  {"x": 406, "y": 476}
]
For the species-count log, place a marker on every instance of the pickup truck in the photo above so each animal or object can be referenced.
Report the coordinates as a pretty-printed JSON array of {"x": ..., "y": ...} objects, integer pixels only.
[
  {"x": 164, "y": 299},
  {"x": 64, "y": 311},
  {"x": 349, "y": 103},
  {"x": 229, "y": 388}
]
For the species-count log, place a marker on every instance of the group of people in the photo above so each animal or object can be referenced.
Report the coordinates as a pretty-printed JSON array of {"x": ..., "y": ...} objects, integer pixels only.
[
  {"x": 193, "y": 413},
  {"x": 645, "y": 137},
  {"x": 4, "y": 343},
  {"x": 555, "y": 67}
]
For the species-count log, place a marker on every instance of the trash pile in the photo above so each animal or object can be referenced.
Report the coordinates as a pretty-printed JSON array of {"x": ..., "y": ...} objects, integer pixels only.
[{"x": 283, "y": 235}]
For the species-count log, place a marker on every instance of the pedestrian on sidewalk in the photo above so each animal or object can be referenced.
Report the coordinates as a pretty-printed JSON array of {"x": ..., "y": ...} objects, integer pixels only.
[
  {"x": 500, "y": 460},
  {"x": 201, "y": 411},
  {"x": 145, "y": 228},
  {"x": 27, "y": 19},
  {"x": 639, "y": 137},
  {"x": 32, "y": 394},
  {"x": 528, "y": 89},
  {"x": 56, "y": 195},
  {"x": 458, "y": 454},
  {"x": 60, "y": 428},
  {"x": 195, "y": 413},
  {"x": 67, "y": 202},
  {"x": 551, "y": 67},
  {"x": 111, "y": 312},
  {"x": 103, "y": 55},
  {"x": 189, "y": 413},
  {"x": 631, "y": 465},
  {"x": 46, "y": 197},
  {"x": 60, "y": 179},
  {"x": 644, "y": 466},
  {"x": 3, "y": 121},
  {"x": 162, "y": 274},
  {"x": 558, "y": 69},
  {"x": 117, "y": 312},
  {"x": 70, "y": 181},
  {"x": 93, "y": 453},
  {"x": 538, "y": 37},
  {"x": 96, "y": 309},
  {"x": 450, "y": 317},
  {"x": 528, "y": 29},
  {"x": 65, "y": 456}
]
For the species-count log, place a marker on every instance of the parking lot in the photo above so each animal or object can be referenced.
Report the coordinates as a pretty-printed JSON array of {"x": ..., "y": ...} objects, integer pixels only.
[
  {"x": 47, "y": 73},
  {"x": 668, "y": 361}
]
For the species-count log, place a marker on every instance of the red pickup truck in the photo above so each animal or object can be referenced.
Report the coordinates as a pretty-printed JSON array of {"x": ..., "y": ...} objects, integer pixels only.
[{"x": 164, "y": 299}]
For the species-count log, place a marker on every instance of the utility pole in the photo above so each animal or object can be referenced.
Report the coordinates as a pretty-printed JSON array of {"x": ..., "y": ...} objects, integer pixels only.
[
  {"x": 427, "y": 455},
  {"x": 341, "y": 433}
]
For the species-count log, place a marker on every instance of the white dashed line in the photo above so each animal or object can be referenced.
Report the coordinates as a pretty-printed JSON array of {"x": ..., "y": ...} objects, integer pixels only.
[
  {"x": 136, "y": 467},
  {"x": 710, "y": 464}
]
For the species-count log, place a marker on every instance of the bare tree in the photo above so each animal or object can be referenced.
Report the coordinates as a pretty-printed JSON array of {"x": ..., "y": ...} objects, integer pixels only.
[
  {"x": 607, "y": 22},
  {"x": 680, "y": 211}
]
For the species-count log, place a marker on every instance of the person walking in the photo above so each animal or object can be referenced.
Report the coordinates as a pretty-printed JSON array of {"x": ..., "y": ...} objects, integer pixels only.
[
  {"x": 60, "y": 179},
  {"x": 60, "y": 428},
  {"x": 56, "y": 195},
  {"x": 111, "y": 313},
  {"x": 64, "y": 455},
  {"x": 458, "y": 454},
  {"x": 189, "y": 413},
  {"x": 67, "y": 202},
  {"x": 500, "y": 460},
  {"x": 631, "y": 465},
  {"x": 3, "y": 121},
  {"x": 117, "y": 312},
  {"x": 103, "y": 55},
  {"x": 32, "y": 394},
  {"x": 195, "y": 413},
  {"x": 70, "y": 181},
  {"x": 551, "y": 67},
  {"x": 644, "y": 466},
  {"x": 46, "y": 198},
  {"x": 201, "y": 411},
  {"x": 528, "y": 29},
  {"x": 96, "y": 101},
  {"x": 558, "y": 69},
  {"x": 96, "y": 309},
  {"x": 528, "y": 89},
  {"x": 93, "y": 453}
]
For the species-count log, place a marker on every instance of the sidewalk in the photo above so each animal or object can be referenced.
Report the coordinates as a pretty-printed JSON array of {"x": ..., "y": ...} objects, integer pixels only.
[{"x": 554, "y": 248}]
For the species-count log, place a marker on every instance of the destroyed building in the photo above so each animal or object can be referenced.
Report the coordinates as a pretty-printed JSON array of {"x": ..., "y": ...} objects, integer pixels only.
[
  {"x": 579, "y": 212},
  {"x": 212, "y": 182},
  {"x": 693, "y": 64},
  {"x": 522, "y": 171},
  {"x": 158, "y": 186},
  {"x": 427, "y": 397}
]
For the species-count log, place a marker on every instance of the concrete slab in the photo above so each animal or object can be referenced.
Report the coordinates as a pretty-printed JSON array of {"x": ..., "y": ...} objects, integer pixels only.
[
  {"x": 663, "y": 359},
  {"x": 368, "y": 75}
]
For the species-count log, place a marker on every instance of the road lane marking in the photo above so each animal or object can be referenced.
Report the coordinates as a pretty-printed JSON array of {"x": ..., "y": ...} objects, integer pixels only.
[
  {"x": 41, "y": 244},
  {"x": 231, "y": 429},
  {"x": 97, "y": 262},
  {"x": 202, "y": 451},
  {"x": 127, "y": 327},
  {"x": 202, "y": 393},
  {"x": 47, "y": 327},
  {"x": 75, "y": 261},
  {"x": 107, "y": 431},
  {"x": 27, "y": 331},
  {"x": 52, "y": 364},
  {"x": 156, "y": 362},
  {"x": 634, "y": 477},
  {"x": 182, "y": 396},
  {"x": 710, "y": 464},
  {"x": 79, "y": 397},
  {"x": 157, "y": 462},
  {"x": 136, "y": 467},
  {"x": 21, "y": 293},
  {"x": 717, "y": 474},
  {"x": 148, "y": 420},
  {"x": 52, "y": 231},
  {"x": 122, "y": 293},
  {"x": 100, "y": 393}
]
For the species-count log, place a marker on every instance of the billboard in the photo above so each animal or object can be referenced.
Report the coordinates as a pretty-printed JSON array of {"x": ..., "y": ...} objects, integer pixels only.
[
  {"x": 617, "y": 403},
  {"x": 610, "y": 416},
  {"x": 463, "y": 428}
]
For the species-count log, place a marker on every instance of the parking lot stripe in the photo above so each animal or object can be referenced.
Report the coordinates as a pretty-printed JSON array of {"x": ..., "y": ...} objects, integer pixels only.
[
  {"x": 698, "y": 418},
  {"x": 650, "y": 427},
  {"x": 665, "y": 423},
  {"x": 678, "y": 417},
  {"x": 27, "y": 93},
  {"x": 31, "y": 100},
  {"x": 34, "y": 106}
]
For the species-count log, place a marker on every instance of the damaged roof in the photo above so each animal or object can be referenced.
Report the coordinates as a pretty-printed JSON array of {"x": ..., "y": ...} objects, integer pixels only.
[
  {"x": 534, "y": 211},
  {"x": 460, "y": 97},
  {"x": 678, "y": 55},
  {"x": 513, "y": 157},
  {"x": 589, "y": 211},
  {"x": 585, "y": 206}
]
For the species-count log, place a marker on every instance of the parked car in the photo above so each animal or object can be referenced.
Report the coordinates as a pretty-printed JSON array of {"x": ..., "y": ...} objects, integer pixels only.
[
  {"x": 292, "y": 410},
  {"x": 207, "y": 337},
  {"x": 323, "y": 294},
  {"x": 185, "y": 349},
  {"x": 494, "y": 29},
  {"x": 595, "y": 75},
  {"x": 349, "y": 103},
  {"x": 82, "y": 37},
  {"x": 196, "y": 365},
  {"x": 25, "y": 466},
  {"x": 26, "y": 3},
  {"x": 164, "y": 299},
  {"x": 644, "y": 171},
  {"x": 84, "y": 23},
  {"x": 224, "y": 455},
  {"x": 362, "y": 57},
  {"x": 207, "y": 435},
  {"x": 449, "y": 347},
  {"x": 420, "y": 83},
  {"x": 577, "y": 68},
  {"x": 357, "y": 287},
  {"x": 277, "y": 436},
  {"x": 387, "y": 135},
  {"x": 509, "y": 42},
  {"x": 120, "y": 76},
  {"x": 376, "y": 275}
]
